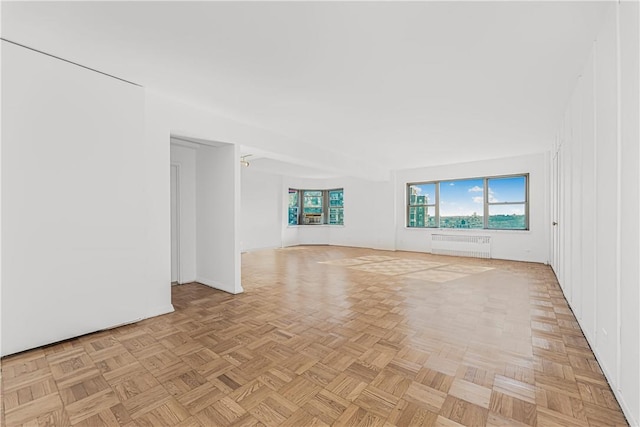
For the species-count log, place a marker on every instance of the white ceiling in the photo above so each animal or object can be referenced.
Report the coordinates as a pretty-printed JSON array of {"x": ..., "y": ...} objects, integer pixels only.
[
  {"x": 394, "y": 84},
  {"x": 268, "y": 165}
]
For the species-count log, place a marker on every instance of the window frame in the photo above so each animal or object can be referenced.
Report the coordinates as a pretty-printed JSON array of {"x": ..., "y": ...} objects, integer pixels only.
[
  {"x": 296, "y": 206},
  {"x": 329, "y": 207},
  {"x": 486, "y": 203},
  {"x": 435, "y": 204},
  {"x": 484, "y": 191},
  {"x": 525, "y": 203}
]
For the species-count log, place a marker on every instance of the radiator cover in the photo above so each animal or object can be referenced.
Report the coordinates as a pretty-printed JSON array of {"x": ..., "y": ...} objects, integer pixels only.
[{"x": 457, "y": 245}]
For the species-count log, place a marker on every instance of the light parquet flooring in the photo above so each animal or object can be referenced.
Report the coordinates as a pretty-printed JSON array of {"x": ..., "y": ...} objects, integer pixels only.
[{"x": 315, "y": 342}]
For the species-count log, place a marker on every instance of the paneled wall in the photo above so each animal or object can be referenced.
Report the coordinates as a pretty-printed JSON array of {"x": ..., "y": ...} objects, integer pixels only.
[{"x": 595, "y": 250}]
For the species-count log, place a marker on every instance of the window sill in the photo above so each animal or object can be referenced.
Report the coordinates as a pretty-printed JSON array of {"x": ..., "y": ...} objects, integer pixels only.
[
  {"x": 314, "y": 225},
  {"x": 468, "y": 230}
]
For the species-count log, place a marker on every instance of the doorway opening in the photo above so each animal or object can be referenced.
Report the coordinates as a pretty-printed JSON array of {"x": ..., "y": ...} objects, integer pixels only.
[{"x": 205, "y": 206}]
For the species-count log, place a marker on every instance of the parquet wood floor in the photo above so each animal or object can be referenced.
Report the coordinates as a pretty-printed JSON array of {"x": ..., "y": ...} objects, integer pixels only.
[{"x": 315, "y": 342}]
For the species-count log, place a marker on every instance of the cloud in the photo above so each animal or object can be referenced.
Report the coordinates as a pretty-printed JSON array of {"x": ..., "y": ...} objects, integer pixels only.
[
  {"x": 492, "y": 197},
  {"x": 475, "y": 189},
  {"x": 478, "y": 199},
  {"x": 452, "y": 183}
]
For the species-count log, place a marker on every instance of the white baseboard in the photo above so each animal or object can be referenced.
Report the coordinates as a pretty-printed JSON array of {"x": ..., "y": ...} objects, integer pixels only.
[
  {"x": 157, "y": 311},
  {"x": 262, "y": 248},
  {"x": 391, "y": 248},
  {"x": 220, "y": 286}
]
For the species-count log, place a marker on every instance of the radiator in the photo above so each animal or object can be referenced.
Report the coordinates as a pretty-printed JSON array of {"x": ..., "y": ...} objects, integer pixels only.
[{"x": 471, "y": 246}]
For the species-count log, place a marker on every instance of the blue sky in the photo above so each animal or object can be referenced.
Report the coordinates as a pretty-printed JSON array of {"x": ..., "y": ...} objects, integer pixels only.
[
  {"x": 464, "y": 197},
  {"x": 461, "y": 197}
]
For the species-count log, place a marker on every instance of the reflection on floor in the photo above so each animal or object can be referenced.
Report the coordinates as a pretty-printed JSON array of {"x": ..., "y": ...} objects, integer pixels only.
[
  {"x": 414, "y": 268},
  {"x": 414, "y": 339}
]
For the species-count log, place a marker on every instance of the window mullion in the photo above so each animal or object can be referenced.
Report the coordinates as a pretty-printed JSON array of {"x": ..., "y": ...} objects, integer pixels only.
[
  {"x": 485, "y": 219},
  {"x": 526, "y": 202},
  {"x": 437, "y": 204},
  {"x": 325, "y": 206},
  {"x": 407, "y": 194},
  {"x": 300, "y": 206}
]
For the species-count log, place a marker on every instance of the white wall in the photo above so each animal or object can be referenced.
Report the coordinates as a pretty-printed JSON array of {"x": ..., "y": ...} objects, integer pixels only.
[
  {"x": 629, "y": 363},
  {"x": 598, "y": 230},
  {"x": 75, "y": 213},
  {"x": 1, "y": 157},
  {"x": 261, "y": 210},
  {"x": 217, "y": 207},
  {"x": 185, "y": 158},
  {"x": 368, "y": 214},
  {"x": 531, "y": 245}
]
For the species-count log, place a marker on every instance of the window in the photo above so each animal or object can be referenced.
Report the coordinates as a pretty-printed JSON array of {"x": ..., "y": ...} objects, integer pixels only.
[
  {"x": 336, "y": 207},
  {"x": 312, "y": 207},
  {"x": 462, "y": 204},
  {"x": 422, "y": 205},
  {"x": 293, "y": 207},
  {"x": 480, "y": 203},
  {"x": 507, "y": 203}
]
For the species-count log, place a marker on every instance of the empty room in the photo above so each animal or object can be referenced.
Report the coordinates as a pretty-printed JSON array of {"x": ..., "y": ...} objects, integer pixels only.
[{"x": 322, "y": 213}]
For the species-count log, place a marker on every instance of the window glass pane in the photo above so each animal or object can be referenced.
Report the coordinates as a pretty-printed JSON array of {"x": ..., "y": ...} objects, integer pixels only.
[
  {"x": 336, "y": 210},
  {"x": 422, "y": 194},
  {"x": 422, "y": 216},
  {"x": 336, "y": 216},
  {"x": 312, "y": 202},
  {"x": 293, "y": 207},
  {"x": 462, "y": 203},
  {"x": 511, "y": 189},
  {"x": 336, "y": 198},
  {"x": 510, "y": 217},
  {"x": 293, "y": 198}
]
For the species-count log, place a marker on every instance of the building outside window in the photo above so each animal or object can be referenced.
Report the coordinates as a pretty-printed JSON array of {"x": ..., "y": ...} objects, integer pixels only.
[
  {"x": 293, "y": 207},
  {"x": 336, "y": 207},
  {"x": 422, "y": 205},
  {"x": 507, "y": 203},
  {"x": 312, "y": 207}
]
